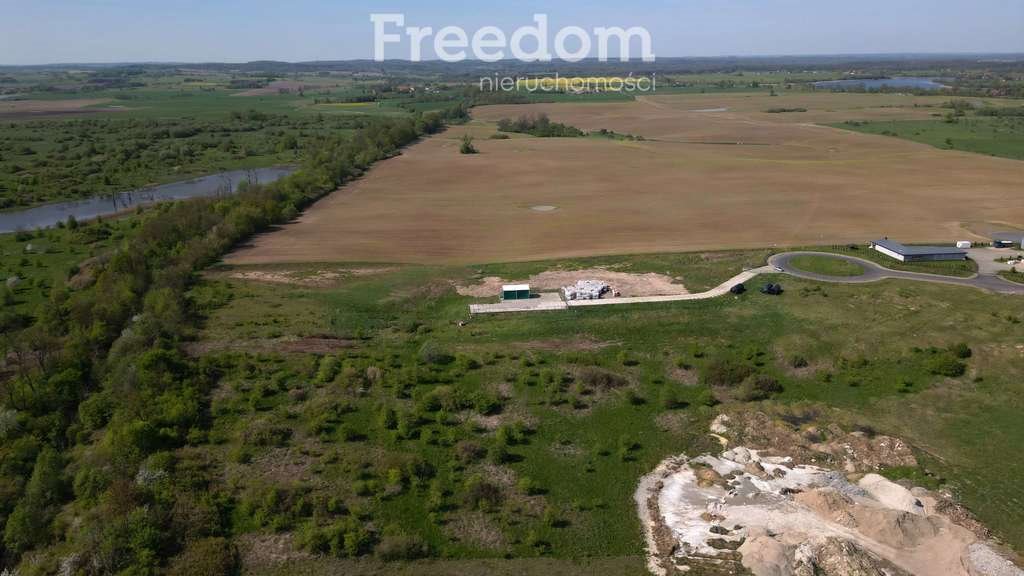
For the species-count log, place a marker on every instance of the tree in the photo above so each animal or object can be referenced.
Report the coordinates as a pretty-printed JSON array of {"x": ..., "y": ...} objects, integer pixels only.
[{"x": 28, "y": 525}]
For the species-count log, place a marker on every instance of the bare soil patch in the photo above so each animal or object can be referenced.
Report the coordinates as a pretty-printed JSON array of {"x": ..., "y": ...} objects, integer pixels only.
[
  {"x": 44, "y": 108},
  {"x": 312, "y": 278},
  {"x": 628, "y": 284},
  {"x": 803, "y": 184}
]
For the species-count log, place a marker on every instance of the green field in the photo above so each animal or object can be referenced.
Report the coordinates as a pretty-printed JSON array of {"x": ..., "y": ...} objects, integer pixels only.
[
  {"x": 826, "y": 265},
  {"x": 1003, "y": 137},
  {"x": 583, "y": 439}
]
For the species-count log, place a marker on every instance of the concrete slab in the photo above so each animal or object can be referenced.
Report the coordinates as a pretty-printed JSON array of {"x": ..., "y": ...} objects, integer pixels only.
[{"x": 542, "y": 301}]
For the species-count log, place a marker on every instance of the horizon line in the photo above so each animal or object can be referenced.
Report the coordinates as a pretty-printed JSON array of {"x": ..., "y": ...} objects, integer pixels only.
[{"x": 512, "y": 60}]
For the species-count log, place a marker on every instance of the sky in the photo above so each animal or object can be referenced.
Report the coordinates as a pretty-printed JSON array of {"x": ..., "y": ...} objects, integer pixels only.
[{"x": 86, "y": 31}]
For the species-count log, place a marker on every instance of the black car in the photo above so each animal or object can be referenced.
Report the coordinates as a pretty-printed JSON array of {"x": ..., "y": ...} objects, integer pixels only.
[
  {"x": 772, "y": 289},
  {"x": 738, "y": 289}
]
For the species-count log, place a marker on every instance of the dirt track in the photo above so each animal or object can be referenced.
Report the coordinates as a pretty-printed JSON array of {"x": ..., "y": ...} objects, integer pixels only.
[{"x": 787, "y": 182}]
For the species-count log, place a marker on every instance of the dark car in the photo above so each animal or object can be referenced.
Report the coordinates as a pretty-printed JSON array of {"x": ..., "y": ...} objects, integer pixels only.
[
  {"x": 772, "y": 289},
  {"x": 738, "y": 289}
]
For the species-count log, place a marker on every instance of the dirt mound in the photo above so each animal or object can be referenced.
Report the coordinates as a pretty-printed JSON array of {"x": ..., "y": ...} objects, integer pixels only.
[
  {"x": 809, "y": 444},
  {"x": 626, "y": 283},
  {"x": 836, "y": 557},
  {"x": 773, "y": 517}
]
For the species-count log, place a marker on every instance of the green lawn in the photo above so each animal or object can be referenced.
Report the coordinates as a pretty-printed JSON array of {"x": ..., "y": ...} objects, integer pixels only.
[
  {"x": 1002, "y": 137},
  {"x": 1013, "y": 276},
  {"x": 826, "y": 265},
  {"x": 957, "y": 268}
]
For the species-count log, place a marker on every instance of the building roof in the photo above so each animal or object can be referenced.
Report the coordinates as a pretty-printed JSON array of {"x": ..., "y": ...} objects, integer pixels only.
[
  {"x": 904, "y": 250},
  {"x": 515, "y": 287}
]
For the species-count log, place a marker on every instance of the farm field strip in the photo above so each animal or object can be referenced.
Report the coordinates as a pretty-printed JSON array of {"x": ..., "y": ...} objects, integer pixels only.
[{"x": 811, "y": 185}]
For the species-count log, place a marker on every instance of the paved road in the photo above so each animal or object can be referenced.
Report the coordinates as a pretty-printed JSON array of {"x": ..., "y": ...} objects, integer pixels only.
[{"x": 874, "y": 272}]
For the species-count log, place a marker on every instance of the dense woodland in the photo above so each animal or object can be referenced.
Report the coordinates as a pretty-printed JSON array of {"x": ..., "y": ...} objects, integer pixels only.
[{"x": 103, "y": 391}]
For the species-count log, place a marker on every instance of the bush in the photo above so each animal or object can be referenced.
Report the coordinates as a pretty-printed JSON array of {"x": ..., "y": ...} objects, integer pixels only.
[
  {"x": 431, "y": 353},
  {"x": 600, "y": 379},
  {"x": 946, "y": 365},
  {"x": 401, "y": 547},
  {"x": 205, "y": 557},
  {"x": 725, "y": 372},
  {"x": 759, "y": 387},
  {"x": 798, "y": 361},
  {"x": 961, "y": 350},
  {"x": 478, "y": 493},
  {"x": 467, "y": 145}
]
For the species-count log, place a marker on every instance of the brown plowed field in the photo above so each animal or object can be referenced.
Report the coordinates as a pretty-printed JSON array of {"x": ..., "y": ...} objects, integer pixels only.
[{"x": 706, "y": 180}]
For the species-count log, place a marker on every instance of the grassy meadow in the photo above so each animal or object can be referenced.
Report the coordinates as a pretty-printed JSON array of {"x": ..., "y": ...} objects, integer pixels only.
[
  {"x": 1003, "y": 137},
  {"x": 557, "y": 414}
]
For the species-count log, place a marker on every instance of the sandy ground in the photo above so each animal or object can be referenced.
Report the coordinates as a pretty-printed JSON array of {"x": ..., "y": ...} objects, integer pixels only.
[
  {"x": 43, "y": 108},
  {"x": 789, "y": 182},
  {"x": 314, "y": 278},
  {"x": 648, "y": 284},
  {"x": 791, "y": 519}
]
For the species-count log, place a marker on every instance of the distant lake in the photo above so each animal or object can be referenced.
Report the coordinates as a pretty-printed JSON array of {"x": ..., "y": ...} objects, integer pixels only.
[
  {"x": 897, "y": 82},
  {"x": 105, "y": 205}
]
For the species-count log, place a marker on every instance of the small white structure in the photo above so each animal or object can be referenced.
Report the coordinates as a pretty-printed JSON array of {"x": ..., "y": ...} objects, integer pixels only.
[
  {"x": 586, "y": 290},
  {"x": 515, "y": 292},
  {"x": 963, "y": 243}
]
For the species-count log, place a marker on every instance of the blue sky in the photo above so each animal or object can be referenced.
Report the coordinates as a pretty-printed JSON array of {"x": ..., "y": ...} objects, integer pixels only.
[{"x": 48, "y": 31}]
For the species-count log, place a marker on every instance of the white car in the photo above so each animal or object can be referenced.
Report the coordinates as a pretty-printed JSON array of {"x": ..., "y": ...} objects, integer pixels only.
[{"x": 779, "y": 269}]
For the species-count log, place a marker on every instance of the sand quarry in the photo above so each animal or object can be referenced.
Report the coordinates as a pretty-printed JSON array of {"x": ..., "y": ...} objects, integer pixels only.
[
  {"x": 705, "y": 179},
  {"x": 776, "y": 515}
]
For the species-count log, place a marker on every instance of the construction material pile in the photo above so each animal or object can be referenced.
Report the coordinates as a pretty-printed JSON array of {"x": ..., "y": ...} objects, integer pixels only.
[
  {"x": 776, "y": 518},
  {"x": 586, "y": 290}
]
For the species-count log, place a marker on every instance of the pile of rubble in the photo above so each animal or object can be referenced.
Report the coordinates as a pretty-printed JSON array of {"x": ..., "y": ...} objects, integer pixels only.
[
  {"x": 745, "y": 511},
  {"x": 586, "y": 290}
]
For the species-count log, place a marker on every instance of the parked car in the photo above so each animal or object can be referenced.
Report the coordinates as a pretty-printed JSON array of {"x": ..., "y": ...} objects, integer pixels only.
[{"x": 772, "y": 289}]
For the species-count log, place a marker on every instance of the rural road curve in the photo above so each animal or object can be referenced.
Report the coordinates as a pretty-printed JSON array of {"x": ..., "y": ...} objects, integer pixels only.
[{"x": 872, "y": 273}]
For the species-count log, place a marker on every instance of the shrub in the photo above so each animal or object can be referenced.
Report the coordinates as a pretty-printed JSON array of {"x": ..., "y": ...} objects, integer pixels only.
[
  {"x": 528, "y": 486},
  {"x": 627, "y": 359},
  {"x": 431, "y": 353},
  {"x": 671, "y": 398},
  {"x": 401, "y": 547},
  {"x": 798, "y": 361},
  {"x": 946, "y": 365},
  {"x": 600, "y": 379},
  {"x": 725, "y": 372},
  {"x": 961, "y": 350},
  {"x": 478, "y": 493},
  {"x": 327, "y": 370},
  {"x": 759, "y": 387},
  {"x": 468, "y": 451},
  {"x": 467, "y": 145},
  {"x": 206, "y": 556}
]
